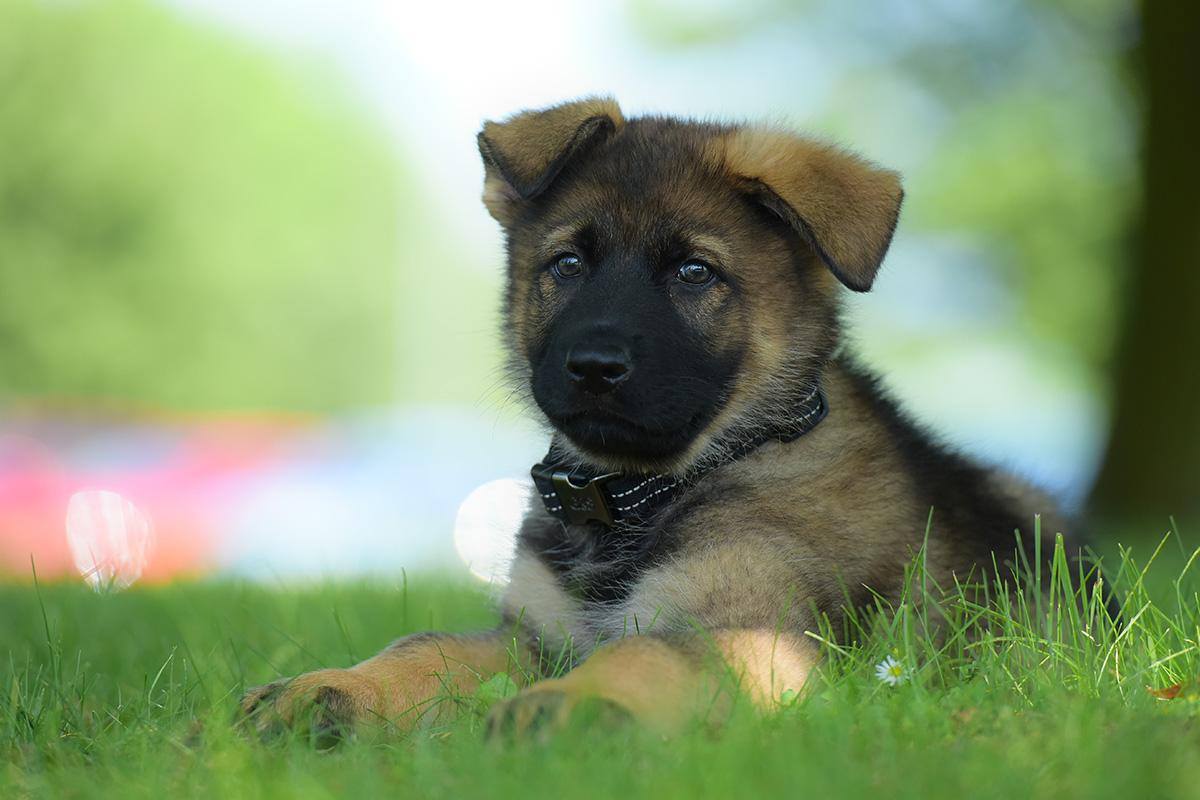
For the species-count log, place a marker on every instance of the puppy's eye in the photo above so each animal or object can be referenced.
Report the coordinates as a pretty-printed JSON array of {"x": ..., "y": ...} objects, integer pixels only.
[
  {"x": 696, "y": 273},
  {"x": 568, "y": 265}
]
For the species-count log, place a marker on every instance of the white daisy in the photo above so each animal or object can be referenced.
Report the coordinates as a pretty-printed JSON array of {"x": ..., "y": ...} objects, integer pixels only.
[{"x": 891, "y": 671}]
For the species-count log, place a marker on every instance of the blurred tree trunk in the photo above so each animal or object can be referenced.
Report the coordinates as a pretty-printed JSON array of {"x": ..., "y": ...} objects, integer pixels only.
[{"x": 1152, "y": 465}]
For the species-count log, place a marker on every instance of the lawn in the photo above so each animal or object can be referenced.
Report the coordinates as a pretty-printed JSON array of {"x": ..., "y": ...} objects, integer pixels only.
[{"x": 133, "y": 694}]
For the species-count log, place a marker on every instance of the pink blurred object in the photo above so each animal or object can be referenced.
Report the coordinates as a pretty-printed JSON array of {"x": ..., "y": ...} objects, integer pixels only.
[
  {"x": 110, "y": 538},
  {"x": 186, "y": 475}
]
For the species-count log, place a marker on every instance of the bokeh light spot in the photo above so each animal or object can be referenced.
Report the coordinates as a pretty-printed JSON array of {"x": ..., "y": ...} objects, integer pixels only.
[
  {"x": 485, "y": 528},
  {"x": 110, "y": 538}
]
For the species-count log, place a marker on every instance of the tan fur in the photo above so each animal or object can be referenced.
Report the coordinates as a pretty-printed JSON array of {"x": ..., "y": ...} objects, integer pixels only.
[
  {"x": 658, "y": 683},
  {"x": 667, "y": 684},
  {"x": 536, "y": 597},
  {"x": 525, "y": 145},
  {"x": 850, "y": 205},
  {"x": 413, "y": 680},
  {"x": 767, "y": 664}
]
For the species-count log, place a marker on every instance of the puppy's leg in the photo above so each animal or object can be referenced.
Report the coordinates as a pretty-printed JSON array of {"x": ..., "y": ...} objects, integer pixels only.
[
  {"x": 414, "y": 679},
  {"x": 663, "y": 682}
]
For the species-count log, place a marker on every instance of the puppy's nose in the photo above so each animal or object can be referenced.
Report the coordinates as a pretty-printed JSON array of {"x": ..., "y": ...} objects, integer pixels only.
[{"x": 598, "y": 368}]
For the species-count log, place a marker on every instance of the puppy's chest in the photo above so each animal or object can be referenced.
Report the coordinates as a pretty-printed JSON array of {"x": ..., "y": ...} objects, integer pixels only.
[
  {"x": 575, "y": 586},
  {"x": 595, "y": 565}
]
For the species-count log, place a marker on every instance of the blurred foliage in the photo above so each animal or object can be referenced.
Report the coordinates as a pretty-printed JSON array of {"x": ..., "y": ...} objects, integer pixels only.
[
  {"x": 1028, "y": 125},
  {"x": 186, "y": 222}
]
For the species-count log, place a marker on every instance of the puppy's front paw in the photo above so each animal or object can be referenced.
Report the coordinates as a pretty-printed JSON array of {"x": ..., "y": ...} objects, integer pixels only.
[
  {"x": 325, "y": 705},
  {"x": 542, "y": 710}
]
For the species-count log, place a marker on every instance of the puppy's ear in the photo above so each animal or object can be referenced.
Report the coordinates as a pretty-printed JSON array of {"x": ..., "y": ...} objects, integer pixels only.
[
  {"x": 523, "y": 154},
  {"x": 844, "y": 206}
]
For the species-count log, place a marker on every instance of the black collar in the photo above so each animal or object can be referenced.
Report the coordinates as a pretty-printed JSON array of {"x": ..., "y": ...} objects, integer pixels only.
[{"x": 577, "y": 495}]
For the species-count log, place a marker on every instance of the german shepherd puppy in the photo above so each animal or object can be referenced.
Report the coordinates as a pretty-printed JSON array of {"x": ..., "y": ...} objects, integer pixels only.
[{"x": 721, "y": 474}]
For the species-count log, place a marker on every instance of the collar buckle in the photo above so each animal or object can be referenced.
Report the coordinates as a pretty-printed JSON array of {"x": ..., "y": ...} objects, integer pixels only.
[{"x": 582, "y": 502}]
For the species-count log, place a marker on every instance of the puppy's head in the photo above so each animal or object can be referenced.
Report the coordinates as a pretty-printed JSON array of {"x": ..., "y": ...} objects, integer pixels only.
[{"x": 673, "y": 286}]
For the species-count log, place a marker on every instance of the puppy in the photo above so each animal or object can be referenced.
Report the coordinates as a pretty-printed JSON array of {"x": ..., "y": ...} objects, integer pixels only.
[{"x": 721, "y": 474}]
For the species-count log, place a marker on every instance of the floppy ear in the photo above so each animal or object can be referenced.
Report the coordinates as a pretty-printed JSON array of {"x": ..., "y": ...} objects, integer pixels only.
[
  {"x": 843, "y": 205},
  {"x": 523, "y": 154}
]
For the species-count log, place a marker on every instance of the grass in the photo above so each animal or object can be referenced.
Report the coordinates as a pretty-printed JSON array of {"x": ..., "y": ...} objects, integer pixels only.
[{"x": 1021, "y": 695}]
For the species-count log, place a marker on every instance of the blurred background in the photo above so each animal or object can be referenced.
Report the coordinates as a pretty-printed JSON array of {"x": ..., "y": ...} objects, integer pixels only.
[{"x": 247, "y": 283}]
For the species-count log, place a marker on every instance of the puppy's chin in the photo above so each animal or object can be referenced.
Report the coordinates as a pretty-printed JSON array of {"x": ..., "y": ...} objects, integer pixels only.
[{"x": 610, "y": 442}]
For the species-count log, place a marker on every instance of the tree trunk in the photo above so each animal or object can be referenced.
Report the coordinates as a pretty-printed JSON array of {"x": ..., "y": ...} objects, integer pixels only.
[{"x": 1152, "y": 465}]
